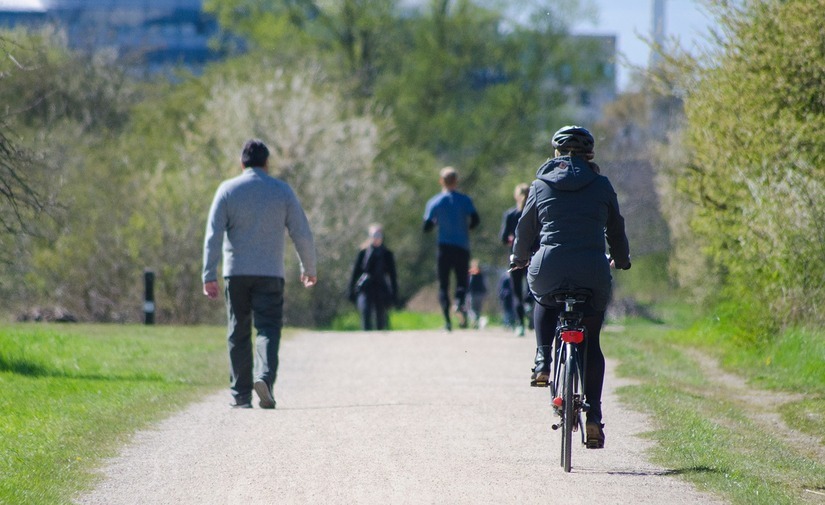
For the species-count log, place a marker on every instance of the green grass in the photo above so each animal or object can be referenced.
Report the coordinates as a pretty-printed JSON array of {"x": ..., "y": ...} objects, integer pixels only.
[
  {"x": 72, "y": 392},
  {"x": 708, "y": 437},
  {"x": 399, "y": 320}
]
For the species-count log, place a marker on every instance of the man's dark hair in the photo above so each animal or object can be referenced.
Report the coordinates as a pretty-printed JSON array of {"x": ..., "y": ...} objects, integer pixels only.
[{"x": 255, "y": 153}]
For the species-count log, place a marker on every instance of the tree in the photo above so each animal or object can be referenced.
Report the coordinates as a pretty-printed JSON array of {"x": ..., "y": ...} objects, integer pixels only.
[
  {"x": 755, "y": 158},
  {"x": 461, "y": 81},
  {"x": 23, "y": 196},
  {"x": 163, "y": 171},
  {"x": 63, "y": 110}
]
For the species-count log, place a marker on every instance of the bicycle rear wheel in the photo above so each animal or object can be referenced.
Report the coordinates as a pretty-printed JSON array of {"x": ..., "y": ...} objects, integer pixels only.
[{"x": 568, "y": 411}]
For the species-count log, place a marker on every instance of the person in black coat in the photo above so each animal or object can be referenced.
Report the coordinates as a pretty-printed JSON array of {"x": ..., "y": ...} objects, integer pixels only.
[
  {"x": 572, "y": 209},
  {"x": 509, "y": 220},
  {"x": 373, "y": 285}
]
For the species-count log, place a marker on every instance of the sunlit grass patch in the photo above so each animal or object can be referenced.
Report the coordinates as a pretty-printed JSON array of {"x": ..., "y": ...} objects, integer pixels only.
[{"x": 70, "y": 394}]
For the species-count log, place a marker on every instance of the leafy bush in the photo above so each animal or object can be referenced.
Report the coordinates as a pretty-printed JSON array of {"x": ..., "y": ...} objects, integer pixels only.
[{"x": 756, "y": 162}]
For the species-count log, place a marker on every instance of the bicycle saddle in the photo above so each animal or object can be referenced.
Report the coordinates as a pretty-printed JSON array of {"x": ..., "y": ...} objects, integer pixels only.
[{"x": 579, "y": 294}]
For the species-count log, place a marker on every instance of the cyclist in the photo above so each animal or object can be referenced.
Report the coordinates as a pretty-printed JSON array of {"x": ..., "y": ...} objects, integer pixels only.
[{"x": 572, "y": 209}]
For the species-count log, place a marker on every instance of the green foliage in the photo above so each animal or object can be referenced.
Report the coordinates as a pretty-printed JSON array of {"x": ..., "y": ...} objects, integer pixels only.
[
  {"x": 461, "y": 82},
  {"x": 756, "y": 158},
  {"x": 64, "y": 111},
  {"x": 359, "y": 136},
  {"x": 71, "y": 393},
  {"x": 647, "y": 281}
]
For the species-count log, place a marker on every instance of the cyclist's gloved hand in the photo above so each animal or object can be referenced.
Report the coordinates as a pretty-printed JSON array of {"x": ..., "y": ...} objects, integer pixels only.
[
  {"x": 516, "y": 264},
  {"x": 619, "y": 266}
]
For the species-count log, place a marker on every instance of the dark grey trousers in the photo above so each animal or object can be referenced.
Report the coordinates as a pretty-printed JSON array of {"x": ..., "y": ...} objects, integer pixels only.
[
  {"x": 369, "y": 304},
  {"x": 259, "y": 300}
]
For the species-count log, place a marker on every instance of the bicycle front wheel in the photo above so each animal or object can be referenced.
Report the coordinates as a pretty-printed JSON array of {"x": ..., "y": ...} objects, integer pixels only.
[{"x": 568, "y": 411}]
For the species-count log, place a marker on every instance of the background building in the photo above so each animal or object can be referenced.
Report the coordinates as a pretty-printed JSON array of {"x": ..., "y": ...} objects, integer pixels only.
[{"x": 148, "y": 35}]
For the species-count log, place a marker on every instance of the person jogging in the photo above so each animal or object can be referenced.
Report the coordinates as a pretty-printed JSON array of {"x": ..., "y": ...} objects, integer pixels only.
[
  {"x": 455, "y": 215},
  {"x": 572, "y": 209}
]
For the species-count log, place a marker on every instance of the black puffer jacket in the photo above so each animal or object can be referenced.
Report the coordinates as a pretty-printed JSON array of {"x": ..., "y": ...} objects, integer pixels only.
[{"x": 572, "y": 209}]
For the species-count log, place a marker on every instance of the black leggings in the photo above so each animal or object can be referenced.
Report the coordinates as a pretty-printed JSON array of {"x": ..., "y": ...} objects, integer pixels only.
[
  {"x": 452, "y": 258},
  {"x": 545, "y": 321}
]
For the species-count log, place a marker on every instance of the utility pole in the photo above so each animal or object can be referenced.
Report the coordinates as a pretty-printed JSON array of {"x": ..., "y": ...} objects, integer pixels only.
[
  {"x": 657, "y": 32},
  {"x": 659, "y": 105}
]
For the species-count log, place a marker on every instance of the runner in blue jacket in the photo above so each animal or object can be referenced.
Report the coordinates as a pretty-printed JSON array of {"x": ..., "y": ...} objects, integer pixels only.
[{"x": 455, "y": 215}]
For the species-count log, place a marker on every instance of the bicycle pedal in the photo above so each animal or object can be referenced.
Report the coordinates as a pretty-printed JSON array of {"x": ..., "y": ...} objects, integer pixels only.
[{"x": 539, "y": 384}]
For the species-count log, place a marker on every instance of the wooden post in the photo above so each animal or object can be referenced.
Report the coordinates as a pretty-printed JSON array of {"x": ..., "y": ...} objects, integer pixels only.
[{"x": 149, "y": 297}]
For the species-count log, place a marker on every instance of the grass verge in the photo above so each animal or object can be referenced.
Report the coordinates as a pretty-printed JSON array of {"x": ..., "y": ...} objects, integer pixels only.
[
  {"x": 71, "y": 393},
  {"x": 399, "y": 320},
  {"x": 709, "y": 437}
]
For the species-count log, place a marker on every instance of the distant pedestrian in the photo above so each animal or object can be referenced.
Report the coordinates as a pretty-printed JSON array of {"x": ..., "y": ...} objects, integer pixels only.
[
  {"x": 508, "y": 234},
  {"x": 505, "y": 298},
  {"x": 247, "y": 223},
  {"x": 477, "y": 293},
  {"x": 455, "y": 215},
  {"x": 373, "y": 285}
]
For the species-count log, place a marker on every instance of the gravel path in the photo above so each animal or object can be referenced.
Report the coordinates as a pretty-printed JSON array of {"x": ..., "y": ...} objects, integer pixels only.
[{"x": 390, "y": 418}]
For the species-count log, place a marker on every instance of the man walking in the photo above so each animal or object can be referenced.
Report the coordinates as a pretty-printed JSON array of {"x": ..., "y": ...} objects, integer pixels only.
[
  {"x": 454, "y": 214},
  {"x": 246, "y": 225}
]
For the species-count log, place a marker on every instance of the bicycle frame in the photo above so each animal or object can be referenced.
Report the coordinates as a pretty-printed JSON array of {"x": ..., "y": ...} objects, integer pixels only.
[{"x": 568, "y": 373}]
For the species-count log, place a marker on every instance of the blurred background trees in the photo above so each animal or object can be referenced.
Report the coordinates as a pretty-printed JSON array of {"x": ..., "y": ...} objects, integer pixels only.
[
  {"x": 362, "y": 102},
  {"x": 717, "y": 160}
]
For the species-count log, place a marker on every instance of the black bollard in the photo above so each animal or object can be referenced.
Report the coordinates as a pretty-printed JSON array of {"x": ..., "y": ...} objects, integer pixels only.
[{"x": 149, "y": 297}]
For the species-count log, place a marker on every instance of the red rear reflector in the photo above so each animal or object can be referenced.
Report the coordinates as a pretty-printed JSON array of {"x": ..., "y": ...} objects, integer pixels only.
[
  {"x": 573, "y": 336},
  {"x": 557, "y": 401}
]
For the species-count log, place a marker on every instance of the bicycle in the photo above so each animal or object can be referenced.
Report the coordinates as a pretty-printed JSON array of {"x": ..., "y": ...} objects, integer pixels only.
[{"x": 569, "y": 364}]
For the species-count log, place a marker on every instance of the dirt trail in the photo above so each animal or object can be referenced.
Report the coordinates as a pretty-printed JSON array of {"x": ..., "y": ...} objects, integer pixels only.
[
  {"x": 762, "y": 406},
  {"x": 390, "y": 418}
]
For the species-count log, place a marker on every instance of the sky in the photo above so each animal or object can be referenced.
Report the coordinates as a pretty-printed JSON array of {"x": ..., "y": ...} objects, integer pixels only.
[
  {"x": 630, "y": 21},
  {"x": 23, "y": 5}
]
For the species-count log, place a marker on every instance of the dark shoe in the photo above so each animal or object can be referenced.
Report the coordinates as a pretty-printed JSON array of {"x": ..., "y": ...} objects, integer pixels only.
[
  {"x": 265, "y": 395},
  {"x": 241, "y": 405},
  {"x": 540, "y": 379},
  {"x": 541, "y": 372},
  {"x": 595, "y": 435},
  {"x": 448, "y": 327}
]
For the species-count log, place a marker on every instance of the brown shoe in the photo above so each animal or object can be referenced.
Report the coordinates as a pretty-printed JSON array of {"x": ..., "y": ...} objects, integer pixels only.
[
  {"x": 262, "y": 389},
  {"x": 595, "y": 435},
  {"x": 540, "y": 379}
]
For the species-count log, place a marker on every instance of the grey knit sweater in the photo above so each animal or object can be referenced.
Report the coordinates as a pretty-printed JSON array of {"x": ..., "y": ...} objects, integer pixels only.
[{"x": 247, "y": 223}]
